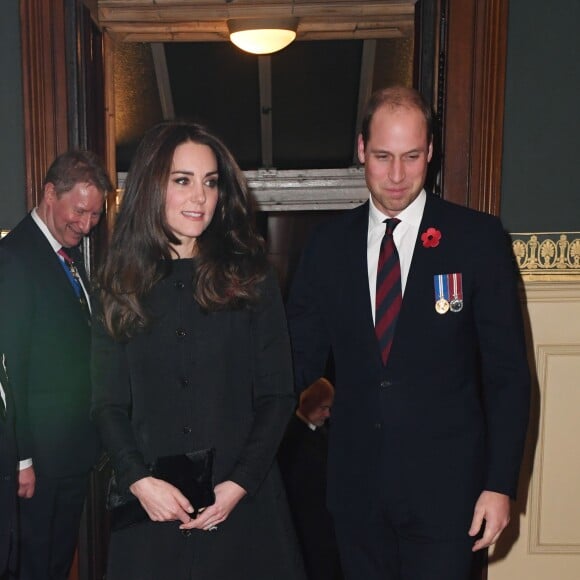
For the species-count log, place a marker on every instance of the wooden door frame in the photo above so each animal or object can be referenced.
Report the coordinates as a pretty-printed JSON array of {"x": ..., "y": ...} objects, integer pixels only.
[
  {"x": 473, "y": 95},
  {"x": 44, "y": 80}
]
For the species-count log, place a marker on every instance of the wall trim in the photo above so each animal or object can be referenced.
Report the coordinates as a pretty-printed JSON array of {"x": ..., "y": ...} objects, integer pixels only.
[{"x": 547, "y": 255}]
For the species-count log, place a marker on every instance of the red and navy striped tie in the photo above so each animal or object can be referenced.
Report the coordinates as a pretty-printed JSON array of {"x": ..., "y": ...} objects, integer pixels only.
[{"x": 389, "y": 296}]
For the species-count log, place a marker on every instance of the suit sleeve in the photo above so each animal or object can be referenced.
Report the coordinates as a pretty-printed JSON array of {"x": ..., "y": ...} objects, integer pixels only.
[
  {"x": 273, "y": 394},
  {"x": 504, "y": 366},
  {"x": 16, "y": 324},
  {"x": 308, "y": 333}
]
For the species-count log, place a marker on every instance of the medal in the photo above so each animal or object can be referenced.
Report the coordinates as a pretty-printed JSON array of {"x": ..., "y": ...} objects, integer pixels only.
[
  {"x": 455, "y": 282},
  {"x": 441, "y": 293}
]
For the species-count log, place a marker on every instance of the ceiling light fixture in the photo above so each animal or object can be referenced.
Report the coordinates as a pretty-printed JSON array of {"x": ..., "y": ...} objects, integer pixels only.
[{"x": 262, "y": 36}]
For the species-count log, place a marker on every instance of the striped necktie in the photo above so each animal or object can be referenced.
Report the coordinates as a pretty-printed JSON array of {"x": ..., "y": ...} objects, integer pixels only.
[{"x": 389, "y": 295}]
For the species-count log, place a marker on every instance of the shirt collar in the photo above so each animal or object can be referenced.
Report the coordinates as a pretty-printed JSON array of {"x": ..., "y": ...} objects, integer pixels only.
[
  {"x": 310, "y": 425},
  {"x": 56, "y": 246},
  {"x": 412, "y": 214}
]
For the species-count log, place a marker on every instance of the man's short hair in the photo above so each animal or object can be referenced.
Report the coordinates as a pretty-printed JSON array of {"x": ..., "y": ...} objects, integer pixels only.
[
  {"x": 394, "y": 97},
  {"x": 77, "y": 166},
  {"x": 319, "y": 392}
]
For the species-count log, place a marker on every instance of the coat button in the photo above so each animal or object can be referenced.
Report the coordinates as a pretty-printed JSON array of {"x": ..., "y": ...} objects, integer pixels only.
[
  {"x": 385, "y": 384},
  {"x": 186, "y": 430},
  {"x": 378, "y": 425},
  {"x": 180, "y": 332},
  {"x": 179, "y": 285},
  {"x": 184, "y": 382}
]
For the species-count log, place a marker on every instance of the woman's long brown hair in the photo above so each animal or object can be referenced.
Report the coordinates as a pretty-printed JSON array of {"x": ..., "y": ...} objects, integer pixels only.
[{"x": 230, "y": 255}]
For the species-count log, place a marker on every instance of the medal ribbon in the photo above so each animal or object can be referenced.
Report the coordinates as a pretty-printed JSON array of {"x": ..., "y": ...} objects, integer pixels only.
[
  {"x": 456, "y": 286},
  {"x": 441, "y": 286}
]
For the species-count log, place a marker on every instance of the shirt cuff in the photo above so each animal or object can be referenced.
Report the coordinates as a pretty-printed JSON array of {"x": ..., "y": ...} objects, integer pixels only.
[{"x": 24, "y": 464}]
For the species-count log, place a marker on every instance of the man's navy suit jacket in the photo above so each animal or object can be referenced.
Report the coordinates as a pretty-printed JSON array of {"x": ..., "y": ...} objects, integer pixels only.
[
  {"x": 446, "y": 417},
  {"x": 8, "y": 477},
  {"x": 46, "y": 336}
]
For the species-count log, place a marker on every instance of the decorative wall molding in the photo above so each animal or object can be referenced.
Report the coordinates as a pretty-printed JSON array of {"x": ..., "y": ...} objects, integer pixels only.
[
  {"x": 551, "y": 255},
  {"x": 545, "y": 290}
]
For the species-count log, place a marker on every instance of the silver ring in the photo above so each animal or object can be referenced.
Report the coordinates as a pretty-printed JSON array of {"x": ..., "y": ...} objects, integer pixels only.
[{"x": 212, "y": 529}]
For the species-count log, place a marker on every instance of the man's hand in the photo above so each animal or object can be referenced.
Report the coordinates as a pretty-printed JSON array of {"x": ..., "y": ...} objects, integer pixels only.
[
  {"x": 26, "y": 482},
  {"x": 494, "y": 509}
]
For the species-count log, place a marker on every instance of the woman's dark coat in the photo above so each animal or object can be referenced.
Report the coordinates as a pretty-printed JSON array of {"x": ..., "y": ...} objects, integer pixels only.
[{"x": 195, "y": 380}]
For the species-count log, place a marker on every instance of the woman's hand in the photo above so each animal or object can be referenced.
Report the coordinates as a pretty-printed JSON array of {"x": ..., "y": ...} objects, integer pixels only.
[
  {"x": 227, "y": 496},
  {"x": 162, "y": 501}
]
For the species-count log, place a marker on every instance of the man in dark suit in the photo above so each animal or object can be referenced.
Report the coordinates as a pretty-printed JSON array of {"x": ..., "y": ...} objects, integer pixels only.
[
  {"x": 8, "y": 475},
  {"x": 302, "y": 458},
  {"x": 45, "y": 330},
  {"x": 429, "y": 421}
]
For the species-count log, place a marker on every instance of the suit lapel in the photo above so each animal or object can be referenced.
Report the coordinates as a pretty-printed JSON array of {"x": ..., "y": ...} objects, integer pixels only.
[
  {"x": 357, "y": 267},
  {"x": 4, "y": 381},
  {"x": 49, "y": 264},
  {"x": 419, "y": 291},
  {"x": 357, "y": 280},
  {"x": 421, "y": 255}
]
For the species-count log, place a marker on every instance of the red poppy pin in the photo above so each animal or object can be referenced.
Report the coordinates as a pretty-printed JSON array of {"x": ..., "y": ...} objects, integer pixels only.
[{"x": 431, "y": 238}]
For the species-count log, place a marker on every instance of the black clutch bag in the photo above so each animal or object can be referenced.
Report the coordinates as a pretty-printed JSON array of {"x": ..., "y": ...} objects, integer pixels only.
[{"x": 191, "y": 473}]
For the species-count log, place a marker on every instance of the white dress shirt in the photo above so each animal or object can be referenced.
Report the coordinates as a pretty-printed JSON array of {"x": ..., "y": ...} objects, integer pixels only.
[{"x": 404, "y": 236}]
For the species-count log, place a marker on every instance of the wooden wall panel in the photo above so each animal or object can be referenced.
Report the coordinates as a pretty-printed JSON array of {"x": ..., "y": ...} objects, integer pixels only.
[
  {"x": 44, "y": 89},
  {"x": 474, "y": 84},
  {"x": 543, "y": 538}
]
